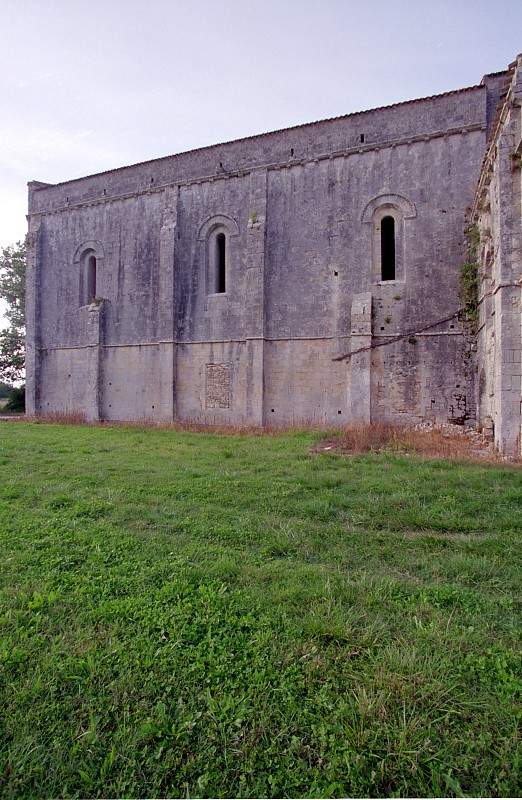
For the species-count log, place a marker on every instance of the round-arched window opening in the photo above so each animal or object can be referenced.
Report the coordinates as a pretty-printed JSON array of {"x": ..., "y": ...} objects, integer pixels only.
[
  {"x": 88, "y": 262},
  {"x": 216, "y": 235},
  {"x": 220, "y": 285},
  {"x": 388, "y": 249},
  {"x": 91, "y": 278}
]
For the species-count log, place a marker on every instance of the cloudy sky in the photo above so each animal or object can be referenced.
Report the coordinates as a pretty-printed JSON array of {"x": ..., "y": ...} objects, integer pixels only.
[{"x": 90, "y": 85}]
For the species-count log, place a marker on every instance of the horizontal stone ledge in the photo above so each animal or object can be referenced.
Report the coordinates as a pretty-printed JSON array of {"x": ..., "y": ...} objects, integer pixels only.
[
  {"x": 272, "y": 165},
  {"x": 191, "y": 342}
]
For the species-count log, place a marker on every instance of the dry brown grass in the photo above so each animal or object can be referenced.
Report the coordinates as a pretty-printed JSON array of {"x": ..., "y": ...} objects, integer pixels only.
[
  {"x": 440, "y": 442},
  {"x": 189, "y": 426},
  {"x": 59, "y": 418}
]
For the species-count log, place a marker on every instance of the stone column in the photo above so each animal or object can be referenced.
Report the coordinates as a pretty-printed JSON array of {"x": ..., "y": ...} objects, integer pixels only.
[
  {"x": 254, "y": 310},
  {"x": 32, "y": 316},
  {"x": 360, "y": 363}
]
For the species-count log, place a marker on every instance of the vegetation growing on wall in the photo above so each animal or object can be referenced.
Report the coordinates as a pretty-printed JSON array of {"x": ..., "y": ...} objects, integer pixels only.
[{"x": 469, "y": 280}]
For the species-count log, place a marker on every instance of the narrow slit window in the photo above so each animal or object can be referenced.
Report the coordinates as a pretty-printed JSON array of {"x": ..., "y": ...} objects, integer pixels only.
[
  {"x": 221, "y": 257},
  {"x": 91, "y": 278},
  {"x": 388, "y": 249}
]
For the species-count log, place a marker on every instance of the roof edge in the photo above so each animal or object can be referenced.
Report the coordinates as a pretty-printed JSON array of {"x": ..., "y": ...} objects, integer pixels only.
[
  {"x": 494, "y": 75},
  {"x": 474, "y": 87}
]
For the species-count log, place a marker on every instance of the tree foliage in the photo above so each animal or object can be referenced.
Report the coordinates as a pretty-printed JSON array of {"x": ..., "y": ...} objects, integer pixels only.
[
  {"x": 13, "y": 263},
  {"x": 5, "y": 389},
  {"x": 16, "y": 400}
]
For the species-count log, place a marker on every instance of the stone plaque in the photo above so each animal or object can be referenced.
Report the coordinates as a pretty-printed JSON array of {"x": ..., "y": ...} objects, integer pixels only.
[{"x": 218, "y": 386}]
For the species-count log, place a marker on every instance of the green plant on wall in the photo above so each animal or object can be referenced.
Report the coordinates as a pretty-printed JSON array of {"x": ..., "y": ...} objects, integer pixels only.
[{"x": 469, "y": 280}]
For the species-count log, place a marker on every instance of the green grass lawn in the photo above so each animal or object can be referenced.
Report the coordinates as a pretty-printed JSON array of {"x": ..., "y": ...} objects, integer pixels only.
[{"x": 197, "y": 615}]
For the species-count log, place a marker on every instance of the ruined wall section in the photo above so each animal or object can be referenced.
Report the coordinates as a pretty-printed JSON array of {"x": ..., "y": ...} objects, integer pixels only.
[
  {"x": 495, "y": 84},
  {"x": 297, "y": 208},
  {"x": 497, "y": 212},
  {"x": 111, "y": 341},
  {"x": 320, "y": 257},
  {"x": 220, "y": 335},
  {"x": 464, "y": 108},
  {"x": 203, "y": 315}
]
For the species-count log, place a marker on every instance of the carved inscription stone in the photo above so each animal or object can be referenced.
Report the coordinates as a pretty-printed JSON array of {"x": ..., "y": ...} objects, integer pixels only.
[{"x": 217, "y": 386}]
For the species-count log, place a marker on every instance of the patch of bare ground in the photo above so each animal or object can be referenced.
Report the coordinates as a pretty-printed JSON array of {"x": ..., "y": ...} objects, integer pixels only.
[{"x": 444, "y": 441}]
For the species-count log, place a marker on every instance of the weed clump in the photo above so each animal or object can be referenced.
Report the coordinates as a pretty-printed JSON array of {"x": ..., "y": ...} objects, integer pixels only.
[
  {"x": 469, "y": 280},
  {"x": 440, "y": 442}
]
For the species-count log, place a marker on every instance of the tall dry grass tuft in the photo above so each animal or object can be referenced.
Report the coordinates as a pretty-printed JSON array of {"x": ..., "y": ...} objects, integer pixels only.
[
  {"x": 188, "y": 426},
  {"x": 444, "y": 441},
  {"x": 223, "y": 429},
  {"x": 60, "y": 418}
]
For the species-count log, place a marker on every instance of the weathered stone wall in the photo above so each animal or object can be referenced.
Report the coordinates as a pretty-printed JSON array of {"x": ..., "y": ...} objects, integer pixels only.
[
  {"x": 498, "y": 214},
  {"x": 302, "y": 283},
  {"x": 440, "y": 114}
]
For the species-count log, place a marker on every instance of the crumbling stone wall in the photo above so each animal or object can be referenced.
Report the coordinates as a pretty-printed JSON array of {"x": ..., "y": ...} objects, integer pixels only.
[
  {"x": 296, "y": 337},
  {"x": 497, "y": 212}
]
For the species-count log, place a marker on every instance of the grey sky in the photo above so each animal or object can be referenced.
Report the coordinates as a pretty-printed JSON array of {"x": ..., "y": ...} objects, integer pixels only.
[{"x": 86, "y": 86}]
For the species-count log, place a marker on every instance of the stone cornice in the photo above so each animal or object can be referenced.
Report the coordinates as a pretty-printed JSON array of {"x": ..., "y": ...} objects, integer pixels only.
[{"x": 362, "y": 149}]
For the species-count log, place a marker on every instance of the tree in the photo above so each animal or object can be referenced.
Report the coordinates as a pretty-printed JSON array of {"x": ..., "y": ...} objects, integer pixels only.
[{"x": 13, "y": 262}]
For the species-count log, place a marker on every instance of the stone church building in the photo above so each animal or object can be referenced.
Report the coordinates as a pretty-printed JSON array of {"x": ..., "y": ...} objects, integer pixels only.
[{"x": 309, "y": 275}]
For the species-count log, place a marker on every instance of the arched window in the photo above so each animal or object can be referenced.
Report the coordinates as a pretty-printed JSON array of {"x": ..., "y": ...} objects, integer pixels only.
[
  {"x": 217, "y": 260},
  {"x": 88, "y": 261},
  {"x": 91, "y": 278},
  {"x": 389, "y": 219},
  {"x": 387, "y": 248},
  {"x": 220, "y": 264},
  {"x": 88, "y": 265},
  {"x": 218, "y": 254}
]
